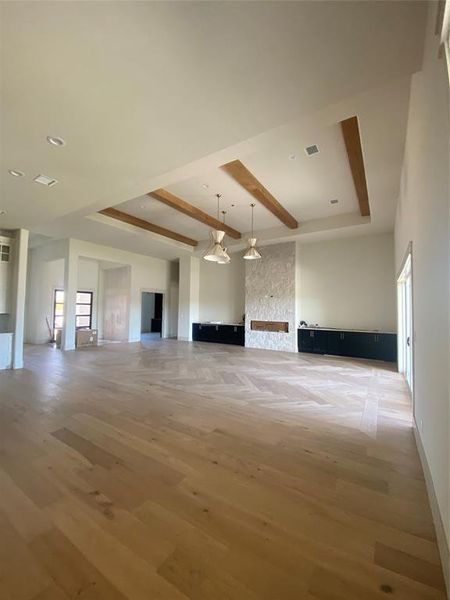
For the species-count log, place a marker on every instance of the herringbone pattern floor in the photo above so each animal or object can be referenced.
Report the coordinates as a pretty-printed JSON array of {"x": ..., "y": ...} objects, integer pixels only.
[{"x": 173, "y": 470}]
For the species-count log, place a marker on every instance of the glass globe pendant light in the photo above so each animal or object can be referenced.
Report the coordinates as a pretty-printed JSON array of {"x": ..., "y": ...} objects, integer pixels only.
[
  {"x": 215, "y": 252},
  {"x": 252, "y": 252}
]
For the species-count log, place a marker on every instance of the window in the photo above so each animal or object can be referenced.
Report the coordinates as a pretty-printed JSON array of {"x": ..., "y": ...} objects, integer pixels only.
[
  {"x": 83, "y": 312},
  {"x": 58, "y": 310},
  {"x": 84, "y": 309},
  {"x": 4, "y": 252}
]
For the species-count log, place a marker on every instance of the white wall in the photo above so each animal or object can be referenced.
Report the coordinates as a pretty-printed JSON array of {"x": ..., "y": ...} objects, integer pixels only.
[
  {"x": 222, "y": 290},
  {"x": 423, "y": 218},
  {"x": 348, "y": 283},
  {"x": 46, "y": 275},
  {"x": 46, "y": 272},
  {"x": 116, "y": 301}
]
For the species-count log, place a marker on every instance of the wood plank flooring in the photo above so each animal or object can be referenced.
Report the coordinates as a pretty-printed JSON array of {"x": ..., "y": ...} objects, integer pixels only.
[{"x": 175, "y": 471}]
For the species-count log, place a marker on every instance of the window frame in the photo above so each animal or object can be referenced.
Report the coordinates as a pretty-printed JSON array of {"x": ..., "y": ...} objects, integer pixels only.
[{"x": 90, "y": 304}]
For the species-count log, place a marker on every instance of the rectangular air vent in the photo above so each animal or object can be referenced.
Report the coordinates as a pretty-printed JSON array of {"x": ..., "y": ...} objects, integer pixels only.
[
  {"x": 45, "y": 180},
  {"x": 310, "y": 150}
]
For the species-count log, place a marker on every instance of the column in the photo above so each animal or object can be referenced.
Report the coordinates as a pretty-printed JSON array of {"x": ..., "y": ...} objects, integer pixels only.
[
  {"x": 70, "y": 296},
  {"x": 18, "y": 295},
  {"x": 188, "y": 307}
]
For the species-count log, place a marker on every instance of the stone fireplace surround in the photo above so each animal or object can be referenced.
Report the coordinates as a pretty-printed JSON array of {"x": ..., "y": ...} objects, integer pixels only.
[{"x": 270, "y": 296}]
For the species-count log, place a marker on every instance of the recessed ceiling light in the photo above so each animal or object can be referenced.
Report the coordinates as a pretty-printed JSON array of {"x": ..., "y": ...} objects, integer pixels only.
[
  {"x": 310, "y": 150},
  {"x": 2, "y": 212},
  {"x": 45, "y": 180},
  {"x": 205, "y": 186},
  {"x": 55, "y": 141},
  {"x": 15, "y": 173},
  {"x": 292, "y": 156},
  {"x": 335, "y": 201}
]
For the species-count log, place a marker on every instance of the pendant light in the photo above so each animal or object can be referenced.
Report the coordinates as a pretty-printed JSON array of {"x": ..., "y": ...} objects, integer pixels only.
[
  {"x": 225, "y": 260},
  {"x": 252, "y": 252},
  {"x": 216, "y": 252}
]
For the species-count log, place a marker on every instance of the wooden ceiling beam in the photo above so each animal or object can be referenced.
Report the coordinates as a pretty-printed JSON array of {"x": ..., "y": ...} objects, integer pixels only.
[
  {"x": 247, "y": 180},
  {"x": 192, "y": 211},
  {"x": 142, "y": 224},
  {"x": 352, "y": 140}
]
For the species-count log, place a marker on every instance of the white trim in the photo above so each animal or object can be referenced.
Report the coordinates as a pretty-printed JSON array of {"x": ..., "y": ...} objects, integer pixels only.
[{"x": 437, "y": 517}]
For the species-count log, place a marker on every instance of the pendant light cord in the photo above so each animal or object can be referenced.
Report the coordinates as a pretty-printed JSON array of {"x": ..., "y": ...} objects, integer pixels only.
[
  {"x": 218, "y": 206},
  {"x": 253, "y": 206}
]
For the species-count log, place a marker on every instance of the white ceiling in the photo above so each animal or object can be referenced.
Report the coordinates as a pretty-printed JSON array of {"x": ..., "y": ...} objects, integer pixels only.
[
  {"x": 158, "y": 94},
  {"x": 304, "y": 186}
]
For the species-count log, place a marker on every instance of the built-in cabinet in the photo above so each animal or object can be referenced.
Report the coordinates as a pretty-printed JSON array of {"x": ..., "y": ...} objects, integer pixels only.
[
  {"x": 220, "y": 334},
  {"x": 357, "y": 344},
  {"x": 5, "y": 274}
]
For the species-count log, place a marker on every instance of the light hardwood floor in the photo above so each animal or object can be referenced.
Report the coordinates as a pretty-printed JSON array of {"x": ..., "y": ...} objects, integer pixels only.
[{"x": 172, "y": 470}]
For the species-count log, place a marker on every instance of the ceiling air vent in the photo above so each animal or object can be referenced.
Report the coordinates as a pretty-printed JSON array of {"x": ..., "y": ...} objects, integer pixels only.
[
  {"x": 310, "y": 150},
  {"x": 45, "y": 180}
]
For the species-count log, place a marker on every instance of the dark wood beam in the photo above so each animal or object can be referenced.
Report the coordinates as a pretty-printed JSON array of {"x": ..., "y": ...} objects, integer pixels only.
[
  {"x": 352, "y": 139},
  {"x": 247, "y": 180},
  {"x": 192, "y": 211},
  {"x": 131, "y": 220}
]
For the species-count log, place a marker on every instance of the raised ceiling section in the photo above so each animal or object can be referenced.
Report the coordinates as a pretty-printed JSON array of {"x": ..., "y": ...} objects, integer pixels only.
[
  {"x": 184, "y": 207},
  {"x": 249, "y": 182},
  {"x": 289, "y": 186}
]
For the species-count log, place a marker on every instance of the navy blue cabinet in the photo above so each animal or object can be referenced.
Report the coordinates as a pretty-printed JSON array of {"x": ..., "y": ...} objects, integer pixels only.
[
  {"x": 315, "y": 341},
  {"x": 357, "y": 344},
  {"x": 220, "y": 334}
]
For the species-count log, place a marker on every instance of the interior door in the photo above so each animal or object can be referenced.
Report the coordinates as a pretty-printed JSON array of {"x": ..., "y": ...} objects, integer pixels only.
[
  {"x": 408, "y": 330},
  {"x": 405, "y": 324}
]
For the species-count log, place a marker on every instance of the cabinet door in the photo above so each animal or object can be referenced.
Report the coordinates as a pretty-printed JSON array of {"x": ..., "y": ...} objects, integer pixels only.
[
  {"x": 240, "y": 335},
  {"x": 320, "y": 342},
  {"x": 335, "y": 343},
  {"x": 380, "y": 346},
  {"x": 387, "y": 343},
  {"x": 204, "y": 333},
  {"x": 195, "y": 332},
  {"x": 305, "y": 340},
  {"x": 236, "y": 335},
  {"x": 353, "y": 344},
  {"x": 227, "y": 334}
]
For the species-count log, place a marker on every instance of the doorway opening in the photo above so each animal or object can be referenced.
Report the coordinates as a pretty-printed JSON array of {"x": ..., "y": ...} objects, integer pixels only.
[
  {"x": 405, "y": 323},
  {"x": 151, "y": 316}
]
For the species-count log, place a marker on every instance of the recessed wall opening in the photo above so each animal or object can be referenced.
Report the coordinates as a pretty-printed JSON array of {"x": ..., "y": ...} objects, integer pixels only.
[
  {"x": 151, "y": 316},
  {"x": 279, "y": 326}
]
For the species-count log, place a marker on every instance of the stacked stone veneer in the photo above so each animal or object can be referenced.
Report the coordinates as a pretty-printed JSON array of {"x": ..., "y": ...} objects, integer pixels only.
[{"x": 270, "y": 296}]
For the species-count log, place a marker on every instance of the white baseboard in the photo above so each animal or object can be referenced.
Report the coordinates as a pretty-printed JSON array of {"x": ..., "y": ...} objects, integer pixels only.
[{"x": 440, "y": 531}]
